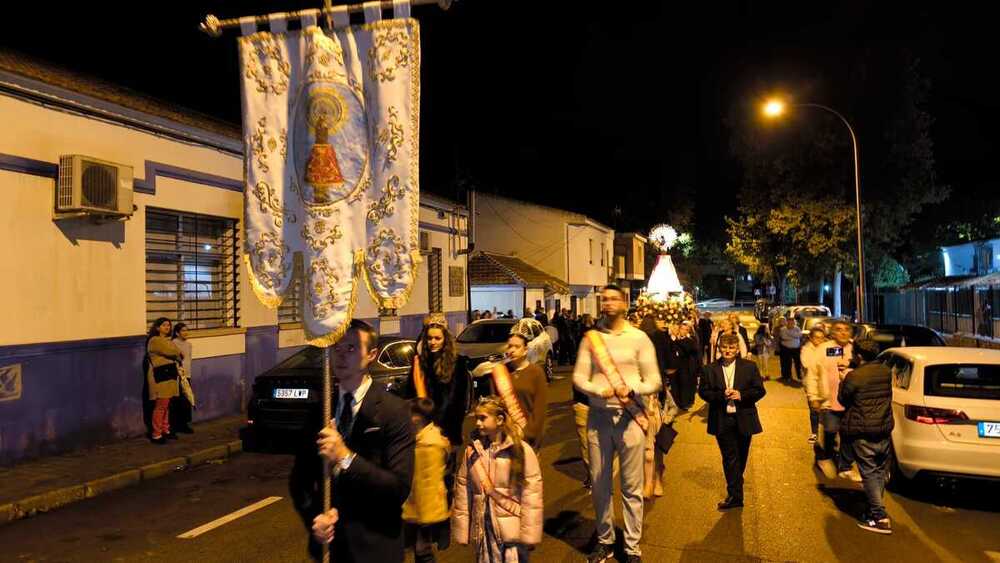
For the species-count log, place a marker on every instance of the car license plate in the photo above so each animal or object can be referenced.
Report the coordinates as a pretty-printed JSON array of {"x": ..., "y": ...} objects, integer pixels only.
[
  {"x": 989, "y": 429},
  {"x": 291, "y": 393}
]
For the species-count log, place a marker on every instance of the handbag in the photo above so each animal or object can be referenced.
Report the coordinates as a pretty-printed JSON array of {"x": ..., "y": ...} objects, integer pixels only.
[
  {"x": 665, "y": 438},
  {"x": 166, "y": 372},
  {"x": 186, "y": 389}
]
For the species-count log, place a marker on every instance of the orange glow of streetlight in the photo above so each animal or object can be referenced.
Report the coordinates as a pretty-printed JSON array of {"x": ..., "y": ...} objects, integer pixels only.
[{"x": 774, "y": 108}]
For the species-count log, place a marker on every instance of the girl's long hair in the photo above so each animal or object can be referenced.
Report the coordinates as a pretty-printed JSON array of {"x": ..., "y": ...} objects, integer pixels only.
[
  {"x": 442, "y": 364},
  {"x": 154, "y": 330},
  {"x": 494, "y": 406}
]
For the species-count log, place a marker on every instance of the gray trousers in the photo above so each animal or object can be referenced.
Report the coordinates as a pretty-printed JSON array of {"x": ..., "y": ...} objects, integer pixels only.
[{"x": 612, "y": 432}]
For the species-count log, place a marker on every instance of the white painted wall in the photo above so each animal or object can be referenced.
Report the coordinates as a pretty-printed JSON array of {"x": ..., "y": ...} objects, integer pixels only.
[
  {"x": 72, "y": 280},
  {"x": 590, "y": 251},
  {"x": 499, "y": 298},
  {"x": 530, "y": 232}
]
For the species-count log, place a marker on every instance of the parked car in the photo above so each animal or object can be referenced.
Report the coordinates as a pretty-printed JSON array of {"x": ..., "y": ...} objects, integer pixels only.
[
  {"x": 797, "y": 312},
  {"x": 946, "y": 406},
  {"x": 486, "y": 341},
  {"x": 872, "y": 339},
  {"x": 285, "y": 396}
]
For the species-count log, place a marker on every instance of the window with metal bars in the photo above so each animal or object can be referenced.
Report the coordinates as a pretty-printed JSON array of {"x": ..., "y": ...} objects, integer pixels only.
[
  {"x": 192, "y": 269},
  {"x": 435, "y": 302},
  {"x": 290, "y": 310}
]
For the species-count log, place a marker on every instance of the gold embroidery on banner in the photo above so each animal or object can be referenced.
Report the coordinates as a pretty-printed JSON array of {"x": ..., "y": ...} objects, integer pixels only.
[
  {"x": 267, "y": 68},
  {"x": 385, "y": 258},
  {"x": 269, "y": 202},
  {"x": 389, "y": 52},
  {"x": 319, "y": 237},
  {"x": 397, "y": 295},
  {"x": 384, "y": 206},
  {"x": 361, "y": 191},
  {"x": 391, "y": 137},
  {"x": 331, "y": 338},
  {"x": 323, "y": 280},
  {"x": 322, "y": 51},
  {"x": 268, "y": 266}
]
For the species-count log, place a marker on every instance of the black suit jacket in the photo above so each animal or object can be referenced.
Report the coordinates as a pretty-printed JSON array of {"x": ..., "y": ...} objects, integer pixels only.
[
  {"x": 370, "y": 494},
  {"x": 713, "y": 391}
]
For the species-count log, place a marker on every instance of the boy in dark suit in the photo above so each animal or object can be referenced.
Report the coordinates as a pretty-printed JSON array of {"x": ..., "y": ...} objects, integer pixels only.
[{"x": 731, "y": 387}]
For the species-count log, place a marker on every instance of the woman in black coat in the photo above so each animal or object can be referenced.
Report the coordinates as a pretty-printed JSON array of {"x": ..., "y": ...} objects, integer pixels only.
[
  {"x": 688, "y": 364},
  {"x": 441, "y": 375}
]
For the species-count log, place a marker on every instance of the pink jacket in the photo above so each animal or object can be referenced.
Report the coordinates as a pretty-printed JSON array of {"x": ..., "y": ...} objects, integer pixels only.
[{"x": 516, "y": 517}]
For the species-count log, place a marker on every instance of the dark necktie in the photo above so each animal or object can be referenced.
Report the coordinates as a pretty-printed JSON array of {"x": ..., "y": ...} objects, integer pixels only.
[{"x": 346, "y": 415}]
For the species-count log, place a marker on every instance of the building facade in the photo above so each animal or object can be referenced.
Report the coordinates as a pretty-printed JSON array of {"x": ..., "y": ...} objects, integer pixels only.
[
  {"x": 567, "y": 246},
  {"x": 79, "y": 294}
]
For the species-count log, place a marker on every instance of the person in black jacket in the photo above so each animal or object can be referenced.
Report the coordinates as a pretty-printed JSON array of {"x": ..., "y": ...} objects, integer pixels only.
[
  {"x": 866, "y": 393},
  {"x": 732, "y": 386},
  {"x": 370, "y": 447}
]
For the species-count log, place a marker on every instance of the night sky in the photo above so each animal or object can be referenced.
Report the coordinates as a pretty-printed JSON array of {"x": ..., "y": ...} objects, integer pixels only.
[{"x": 614, "y": 107}]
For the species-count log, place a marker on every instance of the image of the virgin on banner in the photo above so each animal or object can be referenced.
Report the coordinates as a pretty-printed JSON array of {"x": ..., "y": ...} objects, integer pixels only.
[{"x": 330, "y": 124}]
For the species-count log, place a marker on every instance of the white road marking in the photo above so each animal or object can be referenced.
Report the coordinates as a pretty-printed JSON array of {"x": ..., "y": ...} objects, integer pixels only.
[{"x": 228, "y": 518}]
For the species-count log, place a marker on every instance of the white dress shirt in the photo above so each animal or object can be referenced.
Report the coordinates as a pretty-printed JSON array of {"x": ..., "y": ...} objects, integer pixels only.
[{"x": 729, "y": 372}]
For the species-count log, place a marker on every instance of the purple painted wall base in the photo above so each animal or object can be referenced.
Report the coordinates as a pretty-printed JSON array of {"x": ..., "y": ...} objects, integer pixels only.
[{"x": 84, "y": 393}]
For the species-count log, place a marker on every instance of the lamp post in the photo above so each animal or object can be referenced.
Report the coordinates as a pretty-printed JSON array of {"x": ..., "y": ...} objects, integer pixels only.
[{"x": 775, "y": 108}]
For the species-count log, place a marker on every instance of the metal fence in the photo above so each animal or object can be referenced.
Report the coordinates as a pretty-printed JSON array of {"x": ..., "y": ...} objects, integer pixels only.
[{"x": 952, "y": 310}]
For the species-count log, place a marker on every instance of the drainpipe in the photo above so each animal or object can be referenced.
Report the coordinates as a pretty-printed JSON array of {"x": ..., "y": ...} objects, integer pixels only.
[{"x": 470, "y": 241}]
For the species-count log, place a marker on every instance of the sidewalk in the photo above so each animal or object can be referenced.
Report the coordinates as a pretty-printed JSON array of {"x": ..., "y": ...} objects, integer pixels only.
[{"x": 44, "y": 484}]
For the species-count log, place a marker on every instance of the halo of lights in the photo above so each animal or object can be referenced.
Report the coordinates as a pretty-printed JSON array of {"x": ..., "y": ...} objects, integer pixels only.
[{"x": 663, "y": 237}]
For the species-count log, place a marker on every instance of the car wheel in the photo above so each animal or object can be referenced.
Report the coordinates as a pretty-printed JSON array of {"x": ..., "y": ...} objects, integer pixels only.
[{"x": 549, "y": 367}]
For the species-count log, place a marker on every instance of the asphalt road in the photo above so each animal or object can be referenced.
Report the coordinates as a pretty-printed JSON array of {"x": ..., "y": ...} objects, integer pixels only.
[{"x": 792, "y": 512}]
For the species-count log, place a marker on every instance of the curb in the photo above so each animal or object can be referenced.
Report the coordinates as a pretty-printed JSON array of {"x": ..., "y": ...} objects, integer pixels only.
[{"x": 40, "y": 504}]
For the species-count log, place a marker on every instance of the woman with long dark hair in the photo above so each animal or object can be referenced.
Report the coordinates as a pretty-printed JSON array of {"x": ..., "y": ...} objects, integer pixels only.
[
  {"x": 161, "y": 376},
  {"x": 441, "y": 375}
]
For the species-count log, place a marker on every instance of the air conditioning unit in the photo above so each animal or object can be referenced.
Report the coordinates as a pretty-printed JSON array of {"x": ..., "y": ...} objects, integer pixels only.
[
  {"x": 425, "y": 242},
  {"x": 90, "y": 187}
]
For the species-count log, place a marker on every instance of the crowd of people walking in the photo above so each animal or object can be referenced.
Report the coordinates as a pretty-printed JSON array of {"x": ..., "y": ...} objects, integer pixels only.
[{"x": 632, "y": 376}]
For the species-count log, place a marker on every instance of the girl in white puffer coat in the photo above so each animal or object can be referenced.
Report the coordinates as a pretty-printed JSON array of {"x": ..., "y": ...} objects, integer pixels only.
[{"x": 498, "y": 492}]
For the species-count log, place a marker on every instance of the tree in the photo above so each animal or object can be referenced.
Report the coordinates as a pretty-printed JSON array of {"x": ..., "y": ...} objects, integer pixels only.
[{"x": 891, "y": 274}]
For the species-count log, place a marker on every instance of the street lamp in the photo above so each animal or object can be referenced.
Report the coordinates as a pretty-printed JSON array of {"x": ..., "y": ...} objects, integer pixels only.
[{"x": 774, "y": 108}]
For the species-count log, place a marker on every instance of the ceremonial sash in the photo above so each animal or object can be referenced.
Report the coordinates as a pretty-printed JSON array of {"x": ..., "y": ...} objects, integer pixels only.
[
  {"x": 418, "y": 378},
  {"x": 606, "y": 364},
  {"x": 504, "y": 386},
  {"x": 503, "y": 501}
]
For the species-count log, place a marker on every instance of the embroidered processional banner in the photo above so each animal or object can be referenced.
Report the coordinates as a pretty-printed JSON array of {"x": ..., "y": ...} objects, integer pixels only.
[{"x": 330, "y": 123}]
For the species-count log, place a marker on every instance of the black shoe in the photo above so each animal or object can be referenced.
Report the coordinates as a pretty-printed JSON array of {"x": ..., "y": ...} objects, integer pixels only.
[
  {"x": 162, "y": 440},
  {"x": 730, "y": 502},
  {"x": 630, "y": 558},
  {"x": 171, "y": 436},
  {"x": 185, "y": 430},
  {"x": 601, "y": 553},
  {"x": 883, "y": 526}
]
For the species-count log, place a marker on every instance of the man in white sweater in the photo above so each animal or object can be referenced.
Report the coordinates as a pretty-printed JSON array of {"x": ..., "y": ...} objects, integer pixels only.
[{"x": 612, "y": 425}]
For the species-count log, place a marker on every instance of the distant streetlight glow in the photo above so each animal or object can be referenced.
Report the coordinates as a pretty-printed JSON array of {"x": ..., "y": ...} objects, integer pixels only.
[{"x": 774, "y": 108}]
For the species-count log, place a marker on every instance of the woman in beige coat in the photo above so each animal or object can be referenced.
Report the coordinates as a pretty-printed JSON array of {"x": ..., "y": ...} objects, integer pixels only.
[
  {"x": 161, "y": 352},
  {"x": 498, "y": 492}
]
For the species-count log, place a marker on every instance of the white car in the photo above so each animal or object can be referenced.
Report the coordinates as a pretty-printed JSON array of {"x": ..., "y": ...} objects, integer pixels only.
[
  {"x": 946, "y": 406},
  {"x": 484, "y": 342},
  {"x": 717, "y": 303}
]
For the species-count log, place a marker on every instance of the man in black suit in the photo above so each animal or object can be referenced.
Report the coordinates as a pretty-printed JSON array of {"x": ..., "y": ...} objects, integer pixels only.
[
  {"x": 731, "y": 387},
  {"x": 370, "y": 447}
]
